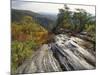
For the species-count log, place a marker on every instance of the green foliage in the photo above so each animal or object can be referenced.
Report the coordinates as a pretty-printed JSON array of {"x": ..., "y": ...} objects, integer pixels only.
[
  {"x": 64, "y": 17},
  {"x": 90, "y": 28},
  {"x": 26, "y": 29},
  {"x": 27, "y": 35},
  {"x": 75, "y": 21},
  {"x": 21, "y": 51}
]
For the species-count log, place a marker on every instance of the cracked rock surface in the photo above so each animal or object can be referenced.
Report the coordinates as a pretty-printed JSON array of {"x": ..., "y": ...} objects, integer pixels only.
[{"x": 65, "y": 54}]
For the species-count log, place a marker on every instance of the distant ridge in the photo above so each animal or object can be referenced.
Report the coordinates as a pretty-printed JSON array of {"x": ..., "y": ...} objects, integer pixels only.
[{"x": 46, "y": 22}]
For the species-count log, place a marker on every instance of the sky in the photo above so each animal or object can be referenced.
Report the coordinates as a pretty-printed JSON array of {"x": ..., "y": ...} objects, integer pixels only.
[{"x": 48, "y": 7}]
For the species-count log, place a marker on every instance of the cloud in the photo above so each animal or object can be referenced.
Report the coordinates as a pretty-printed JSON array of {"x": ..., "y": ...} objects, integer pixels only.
[{"x": 48, "y": 7}]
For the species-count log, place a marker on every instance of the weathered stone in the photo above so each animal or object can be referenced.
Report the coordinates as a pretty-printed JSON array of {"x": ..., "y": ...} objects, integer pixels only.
[{"x": 66, "y": 53}]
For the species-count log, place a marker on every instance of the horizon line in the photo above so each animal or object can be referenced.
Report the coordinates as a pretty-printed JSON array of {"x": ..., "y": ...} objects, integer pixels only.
[{"x": 56, "y": 3}]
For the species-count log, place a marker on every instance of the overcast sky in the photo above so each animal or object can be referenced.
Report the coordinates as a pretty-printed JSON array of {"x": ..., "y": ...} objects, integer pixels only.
[{"x": 48, "y": 7}]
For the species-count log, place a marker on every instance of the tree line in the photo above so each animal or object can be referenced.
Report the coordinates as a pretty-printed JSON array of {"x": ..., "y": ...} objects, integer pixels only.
[{"x": 77, "y": 21}]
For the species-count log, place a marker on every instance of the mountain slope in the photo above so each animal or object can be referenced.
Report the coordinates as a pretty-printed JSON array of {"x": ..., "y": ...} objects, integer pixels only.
[{"x": 17, "y": 15}]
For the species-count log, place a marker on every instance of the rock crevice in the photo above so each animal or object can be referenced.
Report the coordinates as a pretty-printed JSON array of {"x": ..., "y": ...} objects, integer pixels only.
[{"x": 65, "y": 54}]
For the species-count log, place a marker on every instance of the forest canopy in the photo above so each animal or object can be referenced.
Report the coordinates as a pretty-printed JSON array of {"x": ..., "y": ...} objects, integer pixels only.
[{"x": 77, "y": 21}]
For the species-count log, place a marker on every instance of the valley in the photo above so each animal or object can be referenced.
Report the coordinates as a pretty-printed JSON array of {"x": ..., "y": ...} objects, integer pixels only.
[{"x": 44, "y": 42}]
